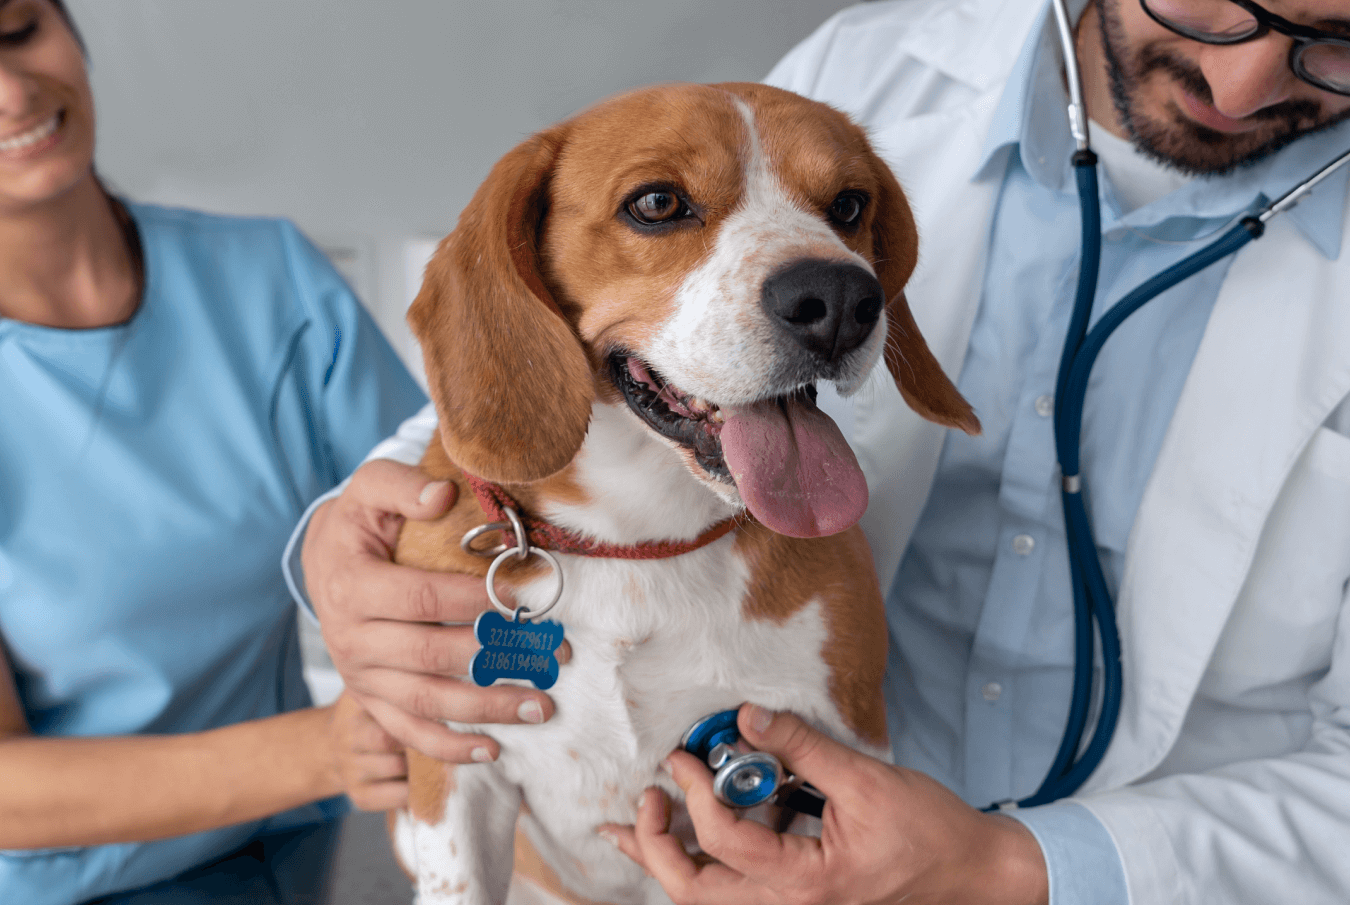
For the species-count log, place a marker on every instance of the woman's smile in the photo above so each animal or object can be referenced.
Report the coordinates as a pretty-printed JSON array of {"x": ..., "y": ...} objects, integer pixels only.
[{"x": 33, "y": 139}]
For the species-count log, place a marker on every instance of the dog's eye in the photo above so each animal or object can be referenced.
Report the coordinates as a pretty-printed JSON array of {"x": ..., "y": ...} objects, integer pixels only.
[
  {"x": 847, "y": 208},
  {"x": 656, "y": 207}
]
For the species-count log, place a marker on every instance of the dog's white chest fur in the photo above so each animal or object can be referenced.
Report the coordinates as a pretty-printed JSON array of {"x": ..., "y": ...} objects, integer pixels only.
[{"x": 655, "y": 646}]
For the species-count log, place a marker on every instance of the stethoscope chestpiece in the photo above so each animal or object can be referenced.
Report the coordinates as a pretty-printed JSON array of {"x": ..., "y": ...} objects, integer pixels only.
[{"x": 742, "y": 777}]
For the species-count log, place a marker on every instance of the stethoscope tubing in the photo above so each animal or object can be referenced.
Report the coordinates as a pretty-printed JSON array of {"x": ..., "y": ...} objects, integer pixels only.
[
  {"x": 1073, "y": 390},
  {"x": 1093, "y": 605}
]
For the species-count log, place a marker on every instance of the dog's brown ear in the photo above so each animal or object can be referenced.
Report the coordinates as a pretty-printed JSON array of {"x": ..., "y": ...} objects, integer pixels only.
[
  {"x": 917, "y": 373},
  {"x": 510, "y": 379}
]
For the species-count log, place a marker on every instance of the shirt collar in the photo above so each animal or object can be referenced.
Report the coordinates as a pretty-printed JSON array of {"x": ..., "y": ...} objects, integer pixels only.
[{"x": 1031, "y": 120}]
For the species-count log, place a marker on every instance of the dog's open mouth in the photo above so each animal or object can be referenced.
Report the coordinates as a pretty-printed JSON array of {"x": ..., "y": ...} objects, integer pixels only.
[
  {"x": 789, "y": 461},
  {"x": 693, "y": 423}
]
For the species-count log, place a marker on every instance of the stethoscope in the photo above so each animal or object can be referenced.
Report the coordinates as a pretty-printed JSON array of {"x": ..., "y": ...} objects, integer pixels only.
[{"x": 744, "y": 777}]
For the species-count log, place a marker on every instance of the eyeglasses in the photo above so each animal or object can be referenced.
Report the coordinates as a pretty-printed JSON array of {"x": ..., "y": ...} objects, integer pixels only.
[{"x": 1317, "y": 57}]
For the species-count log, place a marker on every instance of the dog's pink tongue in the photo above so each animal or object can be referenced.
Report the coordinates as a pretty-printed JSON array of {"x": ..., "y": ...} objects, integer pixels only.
[{"x": 793, "y": 467}]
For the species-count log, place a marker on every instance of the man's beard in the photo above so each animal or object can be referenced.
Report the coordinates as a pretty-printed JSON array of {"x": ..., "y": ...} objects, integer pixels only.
[{"x": 1180, "y": 142}]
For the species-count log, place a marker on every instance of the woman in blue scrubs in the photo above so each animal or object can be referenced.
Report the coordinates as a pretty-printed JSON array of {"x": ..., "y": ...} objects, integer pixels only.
[{"x": 174, "y": 389}]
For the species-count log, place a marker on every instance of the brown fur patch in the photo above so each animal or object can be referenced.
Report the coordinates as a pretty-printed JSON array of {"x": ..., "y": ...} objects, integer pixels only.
[
  {"x": 917, "y": 373},
  {"x": 431, "y": 782},
  {"x": 435, "y": 545},
  {"x": 787, "y": 573},
  {"x": 494, "y": 343},
  {"x": 615, "y": 280},
  {"x": 562, "y": 487}
]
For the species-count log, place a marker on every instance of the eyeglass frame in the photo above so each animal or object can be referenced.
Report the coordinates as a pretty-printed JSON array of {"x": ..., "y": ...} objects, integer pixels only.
[{"x": 1266, "y": 22}]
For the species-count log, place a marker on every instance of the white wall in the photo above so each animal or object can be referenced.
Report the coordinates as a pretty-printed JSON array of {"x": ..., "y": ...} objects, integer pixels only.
[{"x": 370, "y": 122}]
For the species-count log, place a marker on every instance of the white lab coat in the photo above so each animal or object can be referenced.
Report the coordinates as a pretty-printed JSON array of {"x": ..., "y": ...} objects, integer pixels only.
[{"x": 1228, "y": 779}]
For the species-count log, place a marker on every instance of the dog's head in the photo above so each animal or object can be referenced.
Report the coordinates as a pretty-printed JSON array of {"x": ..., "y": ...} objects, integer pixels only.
[{"x": 705, "y": 254}]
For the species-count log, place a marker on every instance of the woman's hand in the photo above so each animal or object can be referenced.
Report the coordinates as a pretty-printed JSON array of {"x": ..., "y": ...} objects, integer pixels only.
[
  {"x": 888, "y": 835},
  {"x": 382, "y": 621},
  {"x": 367, "y": 762}
]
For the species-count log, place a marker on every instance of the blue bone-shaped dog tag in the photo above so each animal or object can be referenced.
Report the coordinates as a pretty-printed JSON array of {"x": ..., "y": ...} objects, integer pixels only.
[{"x": 515, "y": 650}]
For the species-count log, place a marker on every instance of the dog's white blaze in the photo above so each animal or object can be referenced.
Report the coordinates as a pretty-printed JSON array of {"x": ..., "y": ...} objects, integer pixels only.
[
  {"x": 637, "y": 631},
  {"x": 720, "y": 344}
]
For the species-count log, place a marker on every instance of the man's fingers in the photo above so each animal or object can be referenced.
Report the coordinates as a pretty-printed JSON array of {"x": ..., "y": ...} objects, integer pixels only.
[
  {"x": 810, "y": 754},
  {"x": 442, "y": 650},
  {"x": 663, "y": 855},
  {"x": 437, "y": 698},
  {"x": 385, "y": 590},
  {"x": 432, "y": 738},
  {"x": 747, "y": 847},
  {"x": 380, "y": 589},
  {"x": 392, "y": 487},
  {"x": 624, "y": 838}
]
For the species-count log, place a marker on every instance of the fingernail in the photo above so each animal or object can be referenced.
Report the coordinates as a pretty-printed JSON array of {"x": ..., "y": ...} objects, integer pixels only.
[
  {"x": 760, "y": 718},
  {"x": 668, "y": 766},
  {"x": 531, "y": 712},
  {"x": 481, "y": 755},
  {"x": 609, "y": 837},
  {"x": 429, "y": 491}
]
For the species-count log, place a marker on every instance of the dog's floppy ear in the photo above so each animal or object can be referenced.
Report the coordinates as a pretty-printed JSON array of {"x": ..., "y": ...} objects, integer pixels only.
[
  {"x": 510, "y": 379},
  {"x": 917, "y": 373}
]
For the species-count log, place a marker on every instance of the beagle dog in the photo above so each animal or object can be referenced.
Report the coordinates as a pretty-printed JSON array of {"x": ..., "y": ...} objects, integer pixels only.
[{"x": 622, "y": 338}]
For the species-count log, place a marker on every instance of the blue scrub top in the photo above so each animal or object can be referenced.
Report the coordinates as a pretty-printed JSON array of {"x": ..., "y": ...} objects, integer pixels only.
[{"x": 150, "y": 474}]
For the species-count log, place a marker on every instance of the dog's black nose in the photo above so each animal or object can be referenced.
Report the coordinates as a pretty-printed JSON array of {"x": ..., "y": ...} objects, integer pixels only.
[{"x": 828, "y": 307}]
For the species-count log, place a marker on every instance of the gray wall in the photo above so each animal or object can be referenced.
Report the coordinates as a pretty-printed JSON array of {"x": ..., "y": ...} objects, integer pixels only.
[{"x": 370, "y": 122}]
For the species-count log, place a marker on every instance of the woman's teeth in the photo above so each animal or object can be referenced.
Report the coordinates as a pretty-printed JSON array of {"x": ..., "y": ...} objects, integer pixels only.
[{"x": 32, "y": 136}]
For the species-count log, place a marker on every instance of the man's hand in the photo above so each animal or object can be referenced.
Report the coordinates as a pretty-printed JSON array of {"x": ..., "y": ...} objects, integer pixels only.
[
  {"x": 381, "y": 621},
  {"x": 889, "y": 835}
]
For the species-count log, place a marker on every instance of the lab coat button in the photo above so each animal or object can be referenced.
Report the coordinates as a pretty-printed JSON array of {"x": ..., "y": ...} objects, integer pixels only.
[
  {"x": 1023, "y": 544},
  {"x": 1045, "y": 405},
  {"x": 991, "y": 691}
]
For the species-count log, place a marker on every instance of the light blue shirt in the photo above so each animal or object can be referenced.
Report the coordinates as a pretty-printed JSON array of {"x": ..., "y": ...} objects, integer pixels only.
[
  {"x": 150, "y": 474},
  {"x": 981, "y": 611}
]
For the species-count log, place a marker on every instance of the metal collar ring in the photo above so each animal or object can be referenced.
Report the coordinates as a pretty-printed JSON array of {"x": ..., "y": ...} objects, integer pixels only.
[
  {"x": 520, "y": 613},
  {"x": 521, "y": 549}
]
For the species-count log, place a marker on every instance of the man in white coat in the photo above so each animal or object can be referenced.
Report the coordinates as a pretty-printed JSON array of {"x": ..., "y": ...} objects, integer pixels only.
[{"x": 1215, "y": 450}]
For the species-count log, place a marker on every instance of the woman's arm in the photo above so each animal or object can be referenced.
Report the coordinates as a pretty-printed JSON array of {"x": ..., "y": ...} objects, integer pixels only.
[{"x": 92, "y": 791}]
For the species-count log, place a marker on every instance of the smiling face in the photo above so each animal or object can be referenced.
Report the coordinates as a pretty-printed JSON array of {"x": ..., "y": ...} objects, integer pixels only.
[
  {"x": 46, "y": 106},
  {"x": 714, "y": 252},
  {"x": 1203, "y": 108}
]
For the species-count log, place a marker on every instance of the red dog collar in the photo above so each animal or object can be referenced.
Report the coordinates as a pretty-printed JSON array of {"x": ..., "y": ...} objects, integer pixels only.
[{"x": 495, "y": 501}]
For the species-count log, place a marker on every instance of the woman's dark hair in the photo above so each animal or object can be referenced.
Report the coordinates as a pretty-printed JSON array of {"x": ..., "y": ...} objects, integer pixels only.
[{"x": 70, "y": 23}]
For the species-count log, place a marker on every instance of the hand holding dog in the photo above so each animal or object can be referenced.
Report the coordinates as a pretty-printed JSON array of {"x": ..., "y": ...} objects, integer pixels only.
[
  {"x": 368, "y": 763},
  {"x": 889, "y": 835},
  {"x": 381, "y": 621}
]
